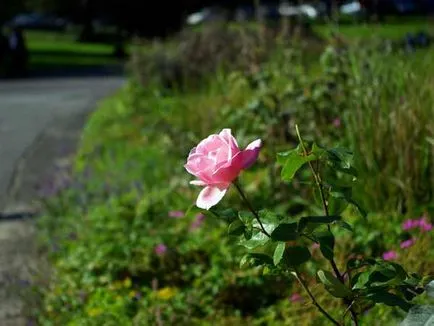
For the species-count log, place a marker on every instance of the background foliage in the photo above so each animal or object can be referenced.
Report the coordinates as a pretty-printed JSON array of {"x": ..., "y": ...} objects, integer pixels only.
[{"x": 127, "y": 245}]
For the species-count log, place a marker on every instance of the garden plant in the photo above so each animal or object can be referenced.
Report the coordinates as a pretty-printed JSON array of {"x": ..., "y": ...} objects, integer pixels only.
[{"x": 319, "y": 213}]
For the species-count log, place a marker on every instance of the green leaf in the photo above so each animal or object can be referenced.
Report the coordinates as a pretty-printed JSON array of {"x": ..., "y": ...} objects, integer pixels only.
[
  {"x": 345, "y": 225},
  {"x": 336, "y": 205},
  {"x": 246, "y": 217},
  {"x": 360, "y": 280},
  {"x": 430, "y": 289},
  {"x": 244, "y": 260},
  {"x": 318, "y": 151},
  {"x": 296, "y": 255},
  {"x": 259, "y": 259},
  {"x": 312, "y": 222},
  {"x": 389, "y": 299},
  {"x": 419, "y": 316},
  {"x": 248, "y": 232},
  {"x": 347, "y": 194},
  {"x": 228, "y": 214},
  {"x": 326, "y": 244},
  {"x": 409, "y": 292},
  {"x": 236, "y": 228},
  {"x": 278, "y": 253},
  {"x": 333, "y": 285},
  {"x": 340, "y": 157},
  {"x": 355, "y": 263},
  {"x": 387, "y": 273},
  {"x": 257, "y": 239},
  {"x": 269, "y": 220},
  {"x": 285, "y": 232},
  {"x": 292, "y": 161}
]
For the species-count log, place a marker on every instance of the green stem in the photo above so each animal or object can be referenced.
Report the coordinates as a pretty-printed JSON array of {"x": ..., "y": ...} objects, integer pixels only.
[
  {"x": 250, "y": 207},
  {"x": 315, "y": 303},
  {"x": 326, "y": 212}
]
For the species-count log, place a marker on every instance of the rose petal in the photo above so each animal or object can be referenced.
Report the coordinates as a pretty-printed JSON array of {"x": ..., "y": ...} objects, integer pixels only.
[
  {"x": 226, "y": 134},
  {"x": 209, "y": 144},
  {"x": 197, "y": 183},
  {"x": 210, "y": 196},
  {"x": 250, "y": 154},
  {"x": 226, "y": 173}
]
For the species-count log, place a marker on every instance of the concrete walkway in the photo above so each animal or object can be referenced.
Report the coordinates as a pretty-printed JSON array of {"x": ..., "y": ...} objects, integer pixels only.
[{"x": 40, "y": 123}]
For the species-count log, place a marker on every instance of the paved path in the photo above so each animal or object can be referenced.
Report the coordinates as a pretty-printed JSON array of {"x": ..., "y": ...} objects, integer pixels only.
[{"x": 40, "y": 122}]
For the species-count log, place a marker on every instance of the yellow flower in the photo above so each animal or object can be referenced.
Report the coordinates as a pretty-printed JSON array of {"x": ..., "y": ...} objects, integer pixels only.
[
  {"x": 93, "y": 312},
  {"x": 166, "y": 293}
]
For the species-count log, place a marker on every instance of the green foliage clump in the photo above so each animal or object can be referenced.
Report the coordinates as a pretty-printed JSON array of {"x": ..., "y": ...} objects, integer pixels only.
[{"x": 119, "y": 258}]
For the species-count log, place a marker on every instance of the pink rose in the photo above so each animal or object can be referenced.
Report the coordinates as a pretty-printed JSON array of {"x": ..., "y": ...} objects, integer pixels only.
[{"x": 216, "y": 162}]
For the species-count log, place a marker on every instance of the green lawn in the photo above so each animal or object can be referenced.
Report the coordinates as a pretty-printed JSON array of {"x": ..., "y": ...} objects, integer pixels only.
[
  {"x": 53, "y": 50},
  {"x": 390, "y": 30}
]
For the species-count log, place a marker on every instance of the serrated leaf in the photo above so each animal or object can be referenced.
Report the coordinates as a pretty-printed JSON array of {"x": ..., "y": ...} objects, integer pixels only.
[
  {"x": 296, "y": 255},
  {"x": 419, "y": 316},
  {"x": 326, "y": 244},
  {"x": 315, "y": 221},
  {"x": 285, "y": 232},
  {"x": 292, "y": 161},
  {"x": 278, "y": 253},
  {"x": 236, "y": 228},
  {"x": 333, "y": 285}
]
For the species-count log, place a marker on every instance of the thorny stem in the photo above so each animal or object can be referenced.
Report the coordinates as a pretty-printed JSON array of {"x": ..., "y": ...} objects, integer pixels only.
[
  {"x": 250, "y": 207},
  {"x": 326, "y": 212},
  {"x": 315, "y": 303}
]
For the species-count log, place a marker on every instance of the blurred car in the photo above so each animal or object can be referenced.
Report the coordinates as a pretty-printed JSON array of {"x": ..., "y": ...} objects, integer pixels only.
[
  {"x": 207, "y": 14},
  {"x": 38, "y": 21},
  {"x": 351, "y": 8}
]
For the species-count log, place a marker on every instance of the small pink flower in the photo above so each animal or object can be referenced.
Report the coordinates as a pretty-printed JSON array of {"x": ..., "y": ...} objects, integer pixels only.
[
  {"x": 407, "y": 243},
  {"x": 216, "y": 162},
  {"x": 160, "y": 249},
  {"x": 197, "y": 222},
  {"x": 176, "y": 214},
  {"x": 424, "y": 224},
  {"x": 410, "y": 224},
  {"x": 337, "y": 123},
  {"x": 390, "y": 255},
  {"x": 296, "y": 297}
]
